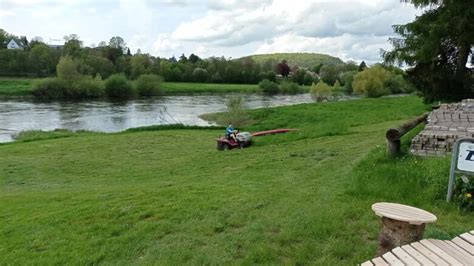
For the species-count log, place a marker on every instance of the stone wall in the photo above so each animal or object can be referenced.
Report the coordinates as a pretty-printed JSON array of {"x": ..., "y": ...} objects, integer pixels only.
[{"x": 446, "y": 124}]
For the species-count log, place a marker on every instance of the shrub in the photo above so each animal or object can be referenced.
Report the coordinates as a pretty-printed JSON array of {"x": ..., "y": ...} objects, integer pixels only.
[
  {"x": 321, "y": 91},
  {"x": 236, "y": 111},
  {"x": 308, "y": 79},
  {"x": 117, "y": 86},
  {"x": 49, "y": 88},
  {"x": 270, "y": 75},
  {"x": 268, "y": 87},
  {"x": 346, "y": 79},
  {"x": 289, "y": 87},
  {"x": 200, "y": 74},
  {"x": 371, "y": 82},
  {"x": 68, "y": 70},
  {"x": 87, "y": 87},
  {"x": 148, "y": 85}
]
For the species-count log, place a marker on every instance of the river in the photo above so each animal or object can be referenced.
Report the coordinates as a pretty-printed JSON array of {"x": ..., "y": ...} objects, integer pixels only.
[{"x": 108, "y": 116}]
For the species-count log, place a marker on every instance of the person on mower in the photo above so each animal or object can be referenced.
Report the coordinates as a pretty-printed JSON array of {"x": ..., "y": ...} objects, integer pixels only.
[{"x": 231, "y": 133}]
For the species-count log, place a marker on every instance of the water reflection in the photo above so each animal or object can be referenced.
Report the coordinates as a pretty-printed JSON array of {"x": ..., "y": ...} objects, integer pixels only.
[{"x": 111, "y": 116}]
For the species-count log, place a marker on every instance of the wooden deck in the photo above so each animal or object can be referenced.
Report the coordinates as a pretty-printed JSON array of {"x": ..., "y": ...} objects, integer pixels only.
[{"x": 459, "y": 251}]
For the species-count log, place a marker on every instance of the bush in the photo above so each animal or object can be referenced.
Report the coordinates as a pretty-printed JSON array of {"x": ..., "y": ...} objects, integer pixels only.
[
  {"x": 148, "y": 85},
  {"x": 117, "y": 86},
  {"x": 49, "y": 88},
  {"x": 371, "y": 82},
  {"x": 289, "y": 87},
  {"x": 308, "y": 79},
  {"x": 200, "y": 74},
  {"x": 268, "y": 87},
  {"x": 236, "y": 111},
  {"x": 321, "y": 91},
  {"x": 87, "y": 87},
  {"x": 68, "y": 70}
]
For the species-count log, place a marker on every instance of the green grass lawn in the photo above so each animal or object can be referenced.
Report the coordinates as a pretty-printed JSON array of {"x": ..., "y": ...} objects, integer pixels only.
[
  {"x": 15, "y": 86},
  {"x": 169, "y": 197}
]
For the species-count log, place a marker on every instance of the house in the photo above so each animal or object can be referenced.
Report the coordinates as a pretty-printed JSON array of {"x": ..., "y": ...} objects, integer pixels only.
[{"x": 12, "y": 44}]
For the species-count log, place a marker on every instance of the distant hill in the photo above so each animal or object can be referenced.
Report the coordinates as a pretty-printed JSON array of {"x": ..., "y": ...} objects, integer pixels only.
[{"x": 307, "y": 60}]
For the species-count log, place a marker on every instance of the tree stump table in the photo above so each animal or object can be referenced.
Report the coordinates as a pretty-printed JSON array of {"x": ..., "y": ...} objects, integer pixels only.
[{"x": 401, "y": 224}]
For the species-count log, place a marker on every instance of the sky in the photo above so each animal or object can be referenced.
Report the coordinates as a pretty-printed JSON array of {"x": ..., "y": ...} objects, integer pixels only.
[{"x": 351, "y": 29}]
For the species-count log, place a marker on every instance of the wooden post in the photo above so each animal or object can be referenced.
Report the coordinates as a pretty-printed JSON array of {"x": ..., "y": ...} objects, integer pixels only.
[
  {"x": 393, "y": 135},
  {"x": 398, "y": 233}
]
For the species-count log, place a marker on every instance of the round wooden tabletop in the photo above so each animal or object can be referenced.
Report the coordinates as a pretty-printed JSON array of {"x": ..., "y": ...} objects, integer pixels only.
[{"x": 403, "y": 213}]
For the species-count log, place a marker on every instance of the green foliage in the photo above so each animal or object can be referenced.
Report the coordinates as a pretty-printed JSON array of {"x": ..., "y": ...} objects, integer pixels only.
[
  {"x": 299, "y": 76},
  {"x": 303, "y": 60},
  {"x": 117, "y": 86},
  {"x": 269, "y": 87},
  {"x": 88, "y": 87},
  {"x": 464, "y": 192},
  {"x": 148, "y": 85},
  {"x": 371, "y": 82},
  {"x": 437, "y": 45},
  {"x": 200, "y": 75},
  {"x": 236, "y": 111},
  {"x": 270, "y": 75},
  {"x": 289, "y": 87},
  {"x": 321, "y": 91},
  {"x": 67, "y": 70},
  {"x": 346, "y": 79},
  {"x": 51, "y": 88},
  {"x": 308, "y": 79},
  {"x": 140, "y": 65},
  {"x": 330, "y": 73}
]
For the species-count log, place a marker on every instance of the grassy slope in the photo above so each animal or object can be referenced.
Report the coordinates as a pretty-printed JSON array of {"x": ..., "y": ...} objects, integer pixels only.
[
  {"x": 15, "y": 86},
  {"x": 308, "y": 60},
  {"x": 139, "y": 197},
  {"x": 22, "y": 87}
]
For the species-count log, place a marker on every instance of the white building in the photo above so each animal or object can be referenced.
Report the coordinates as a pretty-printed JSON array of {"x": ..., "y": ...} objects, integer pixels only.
[{"x": 13, "y": 45}]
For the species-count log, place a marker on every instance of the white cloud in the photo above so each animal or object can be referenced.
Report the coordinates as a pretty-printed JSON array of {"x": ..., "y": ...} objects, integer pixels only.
[{"x": 350, "y": 29}]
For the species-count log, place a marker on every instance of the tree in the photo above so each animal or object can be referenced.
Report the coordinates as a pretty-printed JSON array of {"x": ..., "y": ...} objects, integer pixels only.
[
  {"x": 362, "y": 66},
  {"x": 194, "y": 58},
  {"x": 118, "y": 43},
  {"x": 437, "y": 46},
  {"x": 3, "y": 39},
  {"x": 282, "y": 68},
  {"x": 42, "y": 59},
  {"x": 200, "y": 75},
  {"x": 67, "y": 70},
  {"x": 140, "y": 64},
  {"x": 371, "y": 82},
  {"x": 321, "y": 91},
  {"x": 72, "y": 45},
  {"x": 183, "y": 59},
  {"x": 330, "y": 73}
]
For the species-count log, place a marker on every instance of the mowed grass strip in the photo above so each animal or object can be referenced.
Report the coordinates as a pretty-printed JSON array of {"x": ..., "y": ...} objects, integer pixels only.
[{"x": 170, "y": 197}]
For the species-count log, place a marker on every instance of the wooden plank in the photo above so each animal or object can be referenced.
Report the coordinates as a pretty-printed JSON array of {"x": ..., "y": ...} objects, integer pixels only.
[
  {"x": 472, "y": 232},
  {"x": 429, "y": 254},
  {"x": 367, "y": 263},
  {"x": 404, "y": 257},
  {"x": 464, "y": 245},
  {"x": 379, "y": 262},
  {"x": 461, "y": 256},
  {"x": 445, "y": 256},
  {"x": 392, "y": 260},
  {"x": 468, "y": 237},
  {"x": 417, "y": 255},
  {"x": 402, "y": 212}
]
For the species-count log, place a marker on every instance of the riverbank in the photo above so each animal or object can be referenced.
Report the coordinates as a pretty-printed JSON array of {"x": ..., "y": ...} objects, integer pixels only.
[
  {"x": 10, "y": 87},
  {"x": 169, "y": 196}
]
